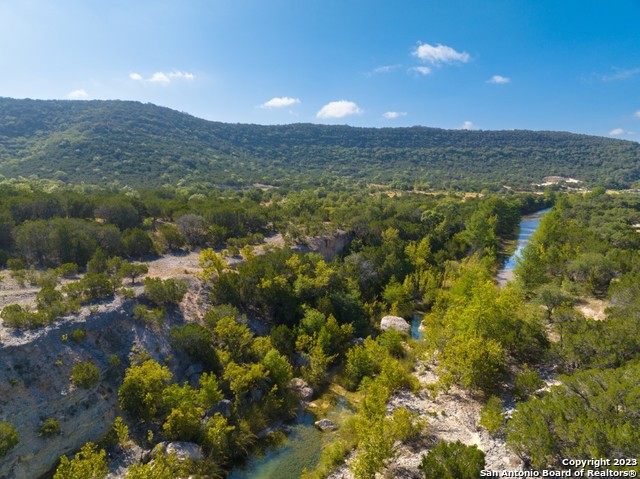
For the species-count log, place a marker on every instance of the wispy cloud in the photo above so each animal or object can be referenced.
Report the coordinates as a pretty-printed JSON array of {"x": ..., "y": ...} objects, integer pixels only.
[
  {"x": 499, "y": 80},
  {"x": 424, "y": 71},
  {"x": 620, "y": 132},
  {"x": 637, "y": 115},
  {"x": 439, "y": 54},
  {"x": 280, "y": 102},
  {"x": 468, "y": 125},
  {"x": 620, "y": 74},
  {"x": 386, "y": 68},
  {"x": 78, "y": 95},
  {"x": 339, "y": 109},
  {"x": 392, "y": 115},
  {"x": 162, "y": 77}
]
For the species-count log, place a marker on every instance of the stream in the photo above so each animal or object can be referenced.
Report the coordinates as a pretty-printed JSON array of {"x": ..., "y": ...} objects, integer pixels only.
[
  {"x": 300, "y": 450},
  {"x": 528, "y": 225}
]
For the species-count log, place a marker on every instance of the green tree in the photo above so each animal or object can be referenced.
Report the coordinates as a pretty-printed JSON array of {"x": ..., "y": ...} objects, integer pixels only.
[
  {"x": 136, "y": 243},
  {"x": 142, "y": 387},
  {"x": 161, "y": 467},
  {"x": 473, "y": 363},
  {"x": 133, "y": 270},
  {"x": 170, "y": 237},
  {"x": 88, "y": 463}
]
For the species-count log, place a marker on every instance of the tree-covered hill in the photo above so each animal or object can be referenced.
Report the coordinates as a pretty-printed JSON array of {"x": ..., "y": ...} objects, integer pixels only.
[{"x": 131, "y": 143}]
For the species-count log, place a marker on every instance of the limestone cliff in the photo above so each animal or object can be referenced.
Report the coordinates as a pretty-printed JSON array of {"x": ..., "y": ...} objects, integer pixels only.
[{"x": 35, "y": 370}]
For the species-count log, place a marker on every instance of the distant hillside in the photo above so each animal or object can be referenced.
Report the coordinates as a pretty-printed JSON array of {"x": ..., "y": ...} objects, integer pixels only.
[{"x": 103, "y": 142}]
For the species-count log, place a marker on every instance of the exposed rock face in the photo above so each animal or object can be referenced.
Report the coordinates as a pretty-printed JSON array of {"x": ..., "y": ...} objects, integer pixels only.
[
  {"x": 395, "y": 322},
  {"x": 35, "y": 370},
  {"x": 328, "y": 246},
  {"x": 302, "y": 389},
  {"x": 224, "y": 407},
  {"x": 325, "y": 425},
  {"x": 181, "y": 450}
]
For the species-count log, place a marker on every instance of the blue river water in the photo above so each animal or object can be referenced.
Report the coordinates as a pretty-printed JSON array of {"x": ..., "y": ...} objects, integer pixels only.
[
  {"x": 301, "y": 450},
  {"x": 528, "y": 225}
]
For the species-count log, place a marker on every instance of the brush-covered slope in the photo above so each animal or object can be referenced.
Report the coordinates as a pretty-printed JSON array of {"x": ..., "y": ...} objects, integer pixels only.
[{"x": 120, "y": 142}]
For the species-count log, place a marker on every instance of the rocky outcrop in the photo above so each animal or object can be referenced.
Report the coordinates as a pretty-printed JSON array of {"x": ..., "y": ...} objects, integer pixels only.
[
  {"x": 325, "y": 425},
  {"x": 301, "y": 389},
  {"x": 224, "y": 407},
  {"x": 181, "y": 450},
  {"x": 35, "y": 382},
  {"x": 395, "y": 322},
  {"x": 329, "y": 246}
]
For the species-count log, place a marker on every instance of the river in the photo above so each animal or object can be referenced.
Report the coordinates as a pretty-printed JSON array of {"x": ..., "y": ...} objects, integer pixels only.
[
  {"x": 528, "y": 225},
  {"x": 300, "y": 450}
]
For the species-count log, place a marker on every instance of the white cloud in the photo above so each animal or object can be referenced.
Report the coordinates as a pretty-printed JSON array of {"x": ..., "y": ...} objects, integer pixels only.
[
  {"x": 386, "y": 68},
  {"x": 339, "y": 109},
  {"x": 392, "y": 115},
  {"x": 183, "y": 75},
  {"x": 637, "y": 115},
  {"x": 439, "y": 54},
  {"x": 162, "y": 77},
  {"x": 468, "y": 125},
  {"x": 420, "y": 70},
  {"x": 159, "y": 77},
  {"x": 499, "y": 80},
  {"x": 78, "y": 94},
  {"x": 619, "y": 132},
  {"x": 280, "y": 102}
]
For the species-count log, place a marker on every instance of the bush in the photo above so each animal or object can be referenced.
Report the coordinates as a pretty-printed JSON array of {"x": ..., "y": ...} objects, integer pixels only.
[
  {"x": 165, "y": 292},
  {"x": 8, "y": 438},
  {"x": 78, "y": 335},
  {"x": 67, "y": 270},
  {"x": 88, "y": 463},
  {"x": 452, "y": 460},
  {"x": 85, "y": 374},
  {"x": 527, "y": 382},
  {"x": 137, "y": 243},
  {"x": 142, "y": 387},
  {"x": 50, "y": 427},
  {"x": 491, "y": 417}
]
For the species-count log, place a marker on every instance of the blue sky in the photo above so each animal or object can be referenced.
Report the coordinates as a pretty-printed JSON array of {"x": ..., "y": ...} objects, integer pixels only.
[{"x": 498, "y": 64}]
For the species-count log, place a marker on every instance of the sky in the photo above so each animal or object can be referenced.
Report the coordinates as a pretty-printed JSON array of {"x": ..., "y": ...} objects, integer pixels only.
[{"x": 490, "y": 65}]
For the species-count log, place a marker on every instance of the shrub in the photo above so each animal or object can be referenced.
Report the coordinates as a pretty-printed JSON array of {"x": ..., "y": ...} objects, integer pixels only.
[
  {"x": 527, "y": 382},
  {"x": 85, "y": 374},
  {"x": 88, "y": 463},
  {"x": 141, "y": 390},
  {"x": 50, "y": 427},
  {"x": 67, "y": 270},
  {"x": 78, "y": 335},
  {"x": 8, "y": 438},
  {"x": 491, "y": 417},
  {"x": 452, "y": 460},
  {"x": 165, "y": 292}
]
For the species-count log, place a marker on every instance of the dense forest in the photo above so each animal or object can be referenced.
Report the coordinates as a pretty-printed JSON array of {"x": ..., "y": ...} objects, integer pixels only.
[
  {"x": 127, "y": 143},
  {"x": 586, "y": 249}
]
